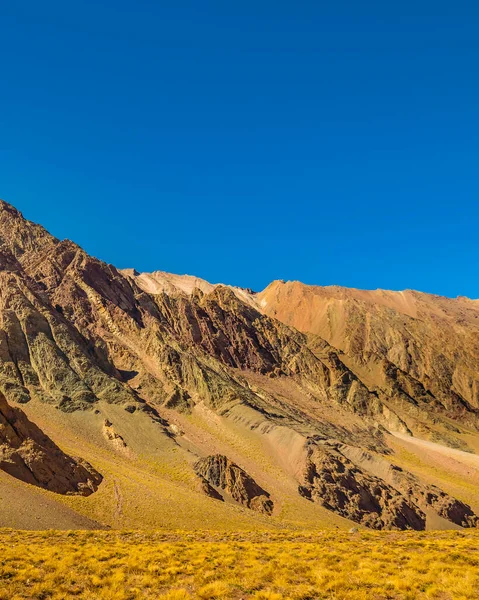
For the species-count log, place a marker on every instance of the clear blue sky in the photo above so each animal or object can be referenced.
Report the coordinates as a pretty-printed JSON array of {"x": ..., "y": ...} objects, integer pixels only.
[{"x": 331, "y": 142}]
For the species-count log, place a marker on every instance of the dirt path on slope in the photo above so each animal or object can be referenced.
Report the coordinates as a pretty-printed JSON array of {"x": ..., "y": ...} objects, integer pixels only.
[{"x": 118, "y": 501}]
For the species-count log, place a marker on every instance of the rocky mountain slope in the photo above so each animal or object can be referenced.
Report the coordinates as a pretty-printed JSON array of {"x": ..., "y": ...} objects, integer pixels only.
[
  {"x": 193, "y": 404},
  {"x": 419, "y": 350}
]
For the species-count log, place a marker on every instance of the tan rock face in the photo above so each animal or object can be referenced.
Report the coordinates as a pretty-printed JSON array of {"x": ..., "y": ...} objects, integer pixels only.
[{"x": 295, "y": 368}]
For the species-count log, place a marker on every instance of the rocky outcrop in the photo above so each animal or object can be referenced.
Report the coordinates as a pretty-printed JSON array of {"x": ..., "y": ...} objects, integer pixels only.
[
  {"x": 332, "y": 480},
  {"x": 424, "y": 496},
  {"x": 28, "y": 454},
  {"x": 221, "y": 473},
  {"x": 208, "y": 489},
  {"x": 116, "y": 440},
  {"x": 430, "y": 496}
]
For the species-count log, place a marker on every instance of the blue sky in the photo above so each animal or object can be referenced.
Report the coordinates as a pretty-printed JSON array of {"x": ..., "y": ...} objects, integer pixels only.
[{"x": 330, "y": 142}]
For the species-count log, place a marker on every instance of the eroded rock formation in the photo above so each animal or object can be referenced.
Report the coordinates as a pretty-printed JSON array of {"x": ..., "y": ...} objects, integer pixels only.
[
  {"x": 28, "y": 454},
  {"x": 424, "y": 496},
  {"x": 332, "y": 480},
  {"x": 221, "y": 473}
]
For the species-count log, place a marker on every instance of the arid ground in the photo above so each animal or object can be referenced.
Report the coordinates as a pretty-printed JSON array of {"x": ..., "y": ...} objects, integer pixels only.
[{"x": 181, "y": 565}]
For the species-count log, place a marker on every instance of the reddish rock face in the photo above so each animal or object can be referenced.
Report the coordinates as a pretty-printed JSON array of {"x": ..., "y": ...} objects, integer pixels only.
[{"x": 298, "y": 368}]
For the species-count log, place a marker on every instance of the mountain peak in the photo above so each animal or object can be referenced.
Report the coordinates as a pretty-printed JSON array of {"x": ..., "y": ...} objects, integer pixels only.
[{"x": 18, "y": 236}]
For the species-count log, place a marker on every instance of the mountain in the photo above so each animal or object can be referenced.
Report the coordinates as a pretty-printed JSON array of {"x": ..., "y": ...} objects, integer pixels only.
[
  {"x": 416, "y": 350},
  {"x": 158, "y": 400}
]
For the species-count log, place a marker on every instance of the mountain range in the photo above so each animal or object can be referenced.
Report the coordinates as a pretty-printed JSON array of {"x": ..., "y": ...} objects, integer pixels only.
[{"x": 151, "y": 400}]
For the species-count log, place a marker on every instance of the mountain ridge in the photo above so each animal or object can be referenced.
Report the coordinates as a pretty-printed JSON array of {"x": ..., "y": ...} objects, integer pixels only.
[{"x": 146, "y": 376}]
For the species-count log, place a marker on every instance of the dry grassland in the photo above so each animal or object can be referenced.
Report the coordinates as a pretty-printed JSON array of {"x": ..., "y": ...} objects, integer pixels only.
[{"x": 268, "y": 566}]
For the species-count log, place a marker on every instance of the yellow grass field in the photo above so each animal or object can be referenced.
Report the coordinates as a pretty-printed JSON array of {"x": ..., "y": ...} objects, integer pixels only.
[{"x": 268, "y": 566}]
